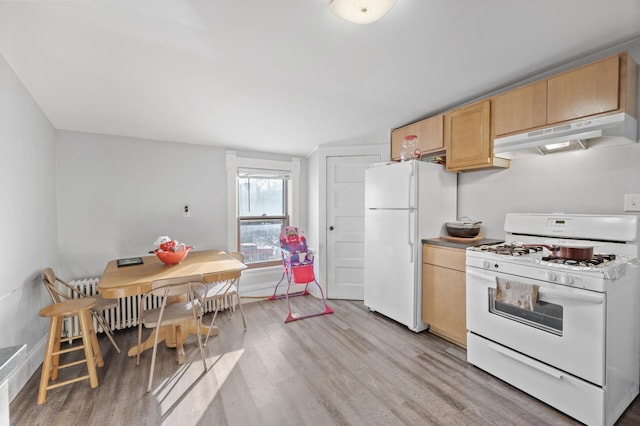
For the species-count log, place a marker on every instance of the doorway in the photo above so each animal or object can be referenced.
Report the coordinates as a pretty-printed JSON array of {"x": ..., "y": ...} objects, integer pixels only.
[{"x": 345, "y": 225}]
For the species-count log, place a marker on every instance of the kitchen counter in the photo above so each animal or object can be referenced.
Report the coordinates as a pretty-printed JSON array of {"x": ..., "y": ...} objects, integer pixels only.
[
  {"x": 443, "y": 285},
  {"x": 10, "y": 358},
  {"x": 460, "y": 243}
]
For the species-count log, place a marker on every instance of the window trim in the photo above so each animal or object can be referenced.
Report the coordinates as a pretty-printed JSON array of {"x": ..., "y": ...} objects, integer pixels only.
[{"x": 235, "y": 162}]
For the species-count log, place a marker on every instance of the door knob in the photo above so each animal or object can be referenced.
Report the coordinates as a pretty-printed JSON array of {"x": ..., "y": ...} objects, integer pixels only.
[{"x": 331, "y": 228}]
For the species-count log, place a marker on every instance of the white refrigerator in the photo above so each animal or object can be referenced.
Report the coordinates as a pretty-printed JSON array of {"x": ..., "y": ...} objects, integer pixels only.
[{"x": 404, "y": 203}]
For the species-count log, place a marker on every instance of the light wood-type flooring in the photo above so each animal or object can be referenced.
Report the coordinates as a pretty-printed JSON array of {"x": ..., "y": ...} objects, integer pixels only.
[{"x": 353, "y": 367}]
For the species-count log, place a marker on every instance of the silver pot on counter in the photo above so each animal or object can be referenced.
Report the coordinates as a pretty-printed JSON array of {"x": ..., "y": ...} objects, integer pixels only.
[{"x": 463, "y": 228}]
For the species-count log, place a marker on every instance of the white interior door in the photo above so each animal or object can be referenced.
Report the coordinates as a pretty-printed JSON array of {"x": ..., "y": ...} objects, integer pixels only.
[{"x": 345, "y": 225}]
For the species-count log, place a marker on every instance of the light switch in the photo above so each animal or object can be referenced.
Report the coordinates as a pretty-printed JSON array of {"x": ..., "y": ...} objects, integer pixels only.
[
  {"x": 186, "y": 212},
  {"x": 632, "y": 202}
]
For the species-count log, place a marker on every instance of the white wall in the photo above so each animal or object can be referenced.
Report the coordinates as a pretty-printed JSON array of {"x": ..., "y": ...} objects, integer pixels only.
[
  {"x": 27, "y": 219},
  {"x": 116, "y": 195},
  {"x": 591, "y": 181}
]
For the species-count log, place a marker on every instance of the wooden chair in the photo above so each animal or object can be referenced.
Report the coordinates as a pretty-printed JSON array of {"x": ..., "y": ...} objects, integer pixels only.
[
  {"x": 50, "y": 279},
  {"x": 217, "y": 291},
  {"x": 51, "y": 364},
  {"x": 179, "y": 302}
]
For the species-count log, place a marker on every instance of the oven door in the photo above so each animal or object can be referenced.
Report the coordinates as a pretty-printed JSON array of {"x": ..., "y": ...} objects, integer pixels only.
[{"x": 564, "y": 329}]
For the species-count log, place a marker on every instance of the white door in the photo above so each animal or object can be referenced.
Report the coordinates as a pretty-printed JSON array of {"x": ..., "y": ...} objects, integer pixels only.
[{"x": 345, "y": 225}]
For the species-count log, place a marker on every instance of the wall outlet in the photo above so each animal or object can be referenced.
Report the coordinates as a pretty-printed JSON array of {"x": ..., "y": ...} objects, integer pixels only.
[
  {"x": 632, "y": 202},
  {"x": 186, "y": 212}
]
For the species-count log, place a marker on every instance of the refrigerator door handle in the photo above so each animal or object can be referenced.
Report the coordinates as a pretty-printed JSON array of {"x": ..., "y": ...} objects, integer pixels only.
[
  {"x": 410, "y": 186},
  {"x": 410, "y": 235}
]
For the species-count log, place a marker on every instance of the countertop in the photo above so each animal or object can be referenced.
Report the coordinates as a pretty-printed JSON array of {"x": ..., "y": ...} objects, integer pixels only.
[
  {"x": 459, "y": 243},
  {"x": 9, "y": 358}
]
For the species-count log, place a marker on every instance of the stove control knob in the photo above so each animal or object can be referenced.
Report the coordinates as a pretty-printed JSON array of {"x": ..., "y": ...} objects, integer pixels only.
[
  {"x": 566, "y": 279},
  {"x": 486, "y": 264},
  {"x": 550, "y": 276}
]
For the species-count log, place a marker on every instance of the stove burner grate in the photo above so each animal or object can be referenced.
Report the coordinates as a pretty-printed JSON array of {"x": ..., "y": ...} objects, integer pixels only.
[
  {"x": 510, "y": 249},
  {"x": 597, "y": 259}
]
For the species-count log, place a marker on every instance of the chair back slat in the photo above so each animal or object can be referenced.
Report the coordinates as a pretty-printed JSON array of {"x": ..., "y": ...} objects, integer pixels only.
[
  {"x": 49, "y": 280},
  {"x": 53, "y": 283},
  {"x": 169, "y": 287}
]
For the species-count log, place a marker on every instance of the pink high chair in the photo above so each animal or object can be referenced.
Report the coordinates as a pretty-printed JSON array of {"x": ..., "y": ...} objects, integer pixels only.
[{"x": 297, "y": 260}]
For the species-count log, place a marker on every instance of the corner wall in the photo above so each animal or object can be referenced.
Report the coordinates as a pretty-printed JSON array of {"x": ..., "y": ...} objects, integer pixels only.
[
  {"x": 28, "y": 220},
  {"x": 116, "y": 195}
]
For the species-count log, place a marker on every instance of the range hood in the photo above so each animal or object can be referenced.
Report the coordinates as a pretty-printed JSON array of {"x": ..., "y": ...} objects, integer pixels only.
[{"x": 607, "y": 130}]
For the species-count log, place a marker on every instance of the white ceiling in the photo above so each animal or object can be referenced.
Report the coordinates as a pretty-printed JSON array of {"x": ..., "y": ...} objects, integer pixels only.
[{"x": 285, "y": 76}]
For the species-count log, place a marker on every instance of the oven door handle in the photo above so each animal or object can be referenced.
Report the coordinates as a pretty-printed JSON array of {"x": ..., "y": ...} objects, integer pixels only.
[
  {"x": 589, "y": 298},
  {"x": 483, "y": 277},
  {"x": 526, "y": 361}
]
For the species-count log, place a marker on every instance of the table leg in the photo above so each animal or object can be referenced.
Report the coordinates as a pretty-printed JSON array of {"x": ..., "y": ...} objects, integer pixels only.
[
  {"x": 172, "y": 339},
  {"x": 204, "y": 329},
  {"x": 148, "y": 343},
  {"x": 180, "y": 344},
  {"x": 169, "y": 335}
]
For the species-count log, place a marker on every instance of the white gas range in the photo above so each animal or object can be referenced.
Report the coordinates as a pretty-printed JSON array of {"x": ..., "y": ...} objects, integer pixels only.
[{"x": 566, "y": 332}]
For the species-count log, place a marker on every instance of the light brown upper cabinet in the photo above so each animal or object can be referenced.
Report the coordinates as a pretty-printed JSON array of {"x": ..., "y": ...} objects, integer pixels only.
[
  {"x": 605, "y": 86},
  {"x": 589, "y": 90},
  {"x": 522, "y": 108},
  {"x": 429, "y": 132},
  {"x": 468, "y": 139}
]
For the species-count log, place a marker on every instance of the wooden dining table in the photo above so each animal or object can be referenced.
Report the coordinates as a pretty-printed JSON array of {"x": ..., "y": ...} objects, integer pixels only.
[{"x": 131, "y": 280}]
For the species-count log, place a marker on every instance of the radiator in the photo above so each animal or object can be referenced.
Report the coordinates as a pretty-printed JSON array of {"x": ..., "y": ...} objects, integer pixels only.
[{"x": 124, "y": 315}]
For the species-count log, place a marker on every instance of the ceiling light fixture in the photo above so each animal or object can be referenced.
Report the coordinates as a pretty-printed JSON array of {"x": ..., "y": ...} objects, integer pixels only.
[{"x": 361, "y": 11}]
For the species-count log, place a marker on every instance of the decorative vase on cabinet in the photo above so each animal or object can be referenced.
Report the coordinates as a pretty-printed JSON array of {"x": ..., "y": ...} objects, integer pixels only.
[{"x": 429, "y": 133}]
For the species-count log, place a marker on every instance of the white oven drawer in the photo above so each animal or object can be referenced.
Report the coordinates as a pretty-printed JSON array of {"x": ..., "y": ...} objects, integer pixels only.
[
  {"x": 581, "y": 400},
  {"x": 579, "y": 348}
]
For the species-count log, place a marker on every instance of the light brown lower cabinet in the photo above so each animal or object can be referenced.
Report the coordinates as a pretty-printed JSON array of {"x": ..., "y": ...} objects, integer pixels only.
[{"x": 444, "y": 292}]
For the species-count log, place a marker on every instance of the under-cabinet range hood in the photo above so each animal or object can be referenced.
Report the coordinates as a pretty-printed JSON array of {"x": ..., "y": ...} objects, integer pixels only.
[{"x": 607, "y": 130}]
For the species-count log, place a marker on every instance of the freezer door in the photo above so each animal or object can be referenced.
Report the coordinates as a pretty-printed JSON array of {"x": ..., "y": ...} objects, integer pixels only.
[
  {"x": 390, "y": 186},
  {"x": 390, "y": 266}
]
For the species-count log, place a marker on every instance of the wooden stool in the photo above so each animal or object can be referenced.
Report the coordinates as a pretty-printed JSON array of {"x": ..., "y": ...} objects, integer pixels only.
[{"x": 93, "y": 355}]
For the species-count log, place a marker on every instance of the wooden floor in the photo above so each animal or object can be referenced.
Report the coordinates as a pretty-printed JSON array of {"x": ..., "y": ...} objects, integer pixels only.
[{"x": 350, "y": 368}]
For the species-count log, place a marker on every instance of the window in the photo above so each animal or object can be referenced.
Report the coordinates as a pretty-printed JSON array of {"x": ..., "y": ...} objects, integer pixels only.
[
  {"x": 262, "y": 214},
  {"x": 262, "y": 199}
]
